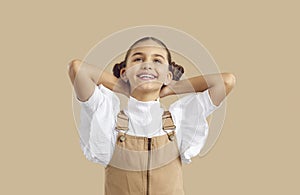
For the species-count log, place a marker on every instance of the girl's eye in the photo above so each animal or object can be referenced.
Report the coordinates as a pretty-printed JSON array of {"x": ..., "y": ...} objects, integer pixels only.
[
  {"x": 157, "y": 61},
  {"x": 137, "y": 59}
]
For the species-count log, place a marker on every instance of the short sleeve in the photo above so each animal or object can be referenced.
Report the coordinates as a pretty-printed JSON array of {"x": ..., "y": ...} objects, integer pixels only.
[
  {"x": 189, "y": 114},
  {"x": 97, "y": 122},
  {"x": 93, "y": 102},
  {"x": 207, "y": 104}
]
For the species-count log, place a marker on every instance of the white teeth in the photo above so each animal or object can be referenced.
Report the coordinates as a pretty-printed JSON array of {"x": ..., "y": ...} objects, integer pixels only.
[{"x": 146, "y": 76}]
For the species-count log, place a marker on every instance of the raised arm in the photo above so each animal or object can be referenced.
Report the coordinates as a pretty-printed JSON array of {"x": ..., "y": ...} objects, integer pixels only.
[
  {"x": 85, "y": 76},
  {"x": 218, "y": 85}
]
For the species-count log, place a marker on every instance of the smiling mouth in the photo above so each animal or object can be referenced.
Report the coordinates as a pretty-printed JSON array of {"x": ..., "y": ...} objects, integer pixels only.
[{"x": 146, "y": 76}]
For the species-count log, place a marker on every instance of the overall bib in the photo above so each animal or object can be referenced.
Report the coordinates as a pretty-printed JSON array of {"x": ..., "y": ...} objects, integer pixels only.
[{"x": 142, "y": 165}]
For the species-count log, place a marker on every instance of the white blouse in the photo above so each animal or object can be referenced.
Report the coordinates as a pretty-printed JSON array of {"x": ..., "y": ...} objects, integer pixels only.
[{"x": 98, "y": 117}]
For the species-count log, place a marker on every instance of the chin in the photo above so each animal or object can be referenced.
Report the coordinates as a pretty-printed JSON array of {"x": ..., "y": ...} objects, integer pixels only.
[{"x": 149, "y": 86}]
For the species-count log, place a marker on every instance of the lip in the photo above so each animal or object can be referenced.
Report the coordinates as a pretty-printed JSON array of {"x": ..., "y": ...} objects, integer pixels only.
[{"x": 146, "y": 73}]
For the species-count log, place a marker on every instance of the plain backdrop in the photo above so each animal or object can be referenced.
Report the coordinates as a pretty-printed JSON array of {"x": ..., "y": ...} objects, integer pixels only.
[{"x": 258, "y": 149}]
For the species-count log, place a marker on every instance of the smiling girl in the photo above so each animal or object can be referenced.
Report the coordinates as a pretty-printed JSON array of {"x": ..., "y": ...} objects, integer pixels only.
[{"x": 143, "y": 146}]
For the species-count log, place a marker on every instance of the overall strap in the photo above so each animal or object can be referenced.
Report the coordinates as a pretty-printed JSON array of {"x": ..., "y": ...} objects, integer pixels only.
[
  {"x": 122, "y": 121},
  {"x": 167, "y": 120},
  {"x": 167, "y": 123}
]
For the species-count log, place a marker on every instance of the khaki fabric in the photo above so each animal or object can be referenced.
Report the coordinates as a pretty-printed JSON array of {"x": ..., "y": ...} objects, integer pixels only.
[{"x": 144, "y": 166}]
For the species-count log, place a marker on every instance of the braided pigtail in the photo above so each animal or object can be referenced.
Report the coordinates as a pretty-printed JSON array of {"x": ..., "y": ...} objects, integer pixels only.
[
  {"x": 118, "y": 67},
  {"x": 177, "y": 70}
]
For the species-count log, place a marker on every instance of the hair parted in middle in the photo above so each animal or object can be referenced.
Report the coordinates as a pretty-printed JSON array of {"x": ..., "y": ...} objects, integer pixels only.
[{"x": 177, "y": 70}]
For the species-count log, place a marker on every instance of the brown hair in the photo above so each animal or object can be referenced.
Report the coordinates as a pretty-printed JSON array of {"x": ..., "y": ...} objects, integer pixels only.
[{"x": 176, "y": 69}]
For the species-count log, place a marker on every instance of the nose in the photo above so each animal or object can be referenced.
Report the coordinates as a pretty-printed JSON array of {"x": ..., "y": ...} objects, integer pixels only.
[{"x": 147, "y": 65}]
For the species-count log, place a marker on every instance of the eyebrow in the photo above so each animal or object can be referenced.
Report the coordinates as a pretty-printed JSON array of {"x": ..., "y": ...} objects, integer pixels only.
[{"x": 140, "y": 53}]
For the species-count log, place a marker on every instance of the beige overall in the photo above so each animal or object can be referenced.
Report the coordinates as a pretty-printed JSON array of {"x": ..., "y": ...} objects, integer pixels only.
[{"x": 142, "y": 165}]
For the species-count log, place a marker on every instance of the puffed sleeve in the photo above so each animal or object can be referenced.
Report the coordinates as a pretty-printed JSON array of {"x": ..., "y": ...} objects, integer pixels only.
[
  {"x": 97, "y": 122},
  {"x": 189, "y": 114},
  {"x": 207, "y": 104}
]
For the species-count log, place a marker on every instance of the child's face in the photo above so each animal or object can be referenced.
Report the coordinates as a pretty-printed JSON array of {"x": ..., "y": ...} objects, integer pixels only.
[{"x": 147, "y": 67}]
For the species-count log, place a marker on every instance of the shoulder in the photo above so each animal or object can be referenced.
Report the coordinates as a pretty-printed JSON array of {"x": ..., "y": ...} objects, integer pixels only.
[
  {"x": 186, "y": 100},
  {"x": 194, "y": 103},
  {"x": 103, "y": 92},
  {"x": 102, "y": 98}
]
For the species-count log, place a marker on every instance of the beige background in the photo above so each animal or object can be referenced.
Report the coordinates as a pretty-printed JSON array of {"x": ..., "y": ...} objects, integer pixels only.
[{"x": 258, "y": 41}]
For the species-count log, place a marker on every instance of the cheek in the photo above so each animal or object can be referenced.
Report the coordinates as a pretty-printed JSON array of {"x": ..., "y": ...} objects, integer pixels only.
[
  {"x": 132, "y": 68},
  {"x": 163, "y": 71},
  {"x": 131, "y": 72},
  {"x": 130, "y": 75}
]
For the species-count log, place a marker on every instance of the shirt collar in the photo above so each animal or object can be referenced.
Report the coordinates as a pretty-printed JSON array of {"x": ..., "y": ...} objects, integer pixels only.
[
  {"x": 145, "y": 116},
  {"x": 139, "y": 107}
]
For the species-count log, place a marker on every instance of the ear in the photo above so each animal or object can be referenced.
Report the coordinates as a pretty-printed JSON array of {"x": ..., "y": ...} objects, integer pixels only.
[
  {"x": 168, "y": 78},
  {"x": 123, "y": 75}
]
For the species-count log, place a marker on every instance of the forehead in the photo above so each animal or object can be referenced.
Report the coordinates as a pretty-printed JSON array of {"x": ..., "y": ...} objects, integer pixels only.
[{"x": 148, "y": 47}]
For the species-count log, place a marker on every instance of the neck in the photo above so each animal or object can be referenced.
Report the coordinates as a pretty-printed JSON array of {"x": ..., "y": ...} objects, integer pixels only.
[{"x": 145, "y": 96}]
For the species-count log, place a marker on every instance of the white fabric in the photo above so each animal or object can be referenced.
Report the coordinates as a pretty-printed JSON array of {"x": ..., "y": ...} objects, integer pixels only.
[{"x": 98, "y": 117}]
